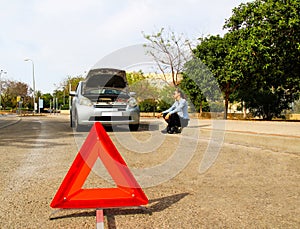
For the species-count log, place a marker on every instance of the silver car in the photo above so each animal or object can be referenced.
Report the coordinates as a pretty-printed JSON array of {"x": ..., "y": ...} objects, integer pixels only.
[{"x": 104, "y": 97}]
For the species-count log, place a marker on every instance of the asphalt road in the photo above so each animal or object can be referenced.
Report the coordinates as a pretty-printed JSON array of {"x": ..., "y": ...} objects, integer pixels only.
[{"x": 216, "y": 174}]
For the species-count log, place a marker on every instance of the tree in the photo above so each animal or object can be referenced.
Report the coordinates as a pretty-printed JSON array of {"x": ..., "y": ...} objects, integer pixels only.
[
  {"x": 70, "y": 80},
  {"x": 169, "y": 51},
  {"x": 11, "y": 90},
  {"x": 139, "y": 84},
  {"x": 267, "y": 53},
  {"x": 200, "y": 85},
  {"x": 46, "y": 99},
  {"x": 212, "y": 69},
  {"x": 146, "y": 94},
  {"x": 63, "y": 90},
  {"x": 135, "y": 77}
]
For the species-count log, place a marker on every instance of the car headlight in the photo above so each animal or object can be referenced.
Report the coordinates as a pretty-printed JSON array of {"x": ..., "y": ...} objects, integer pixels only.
[
  {"x": 132, "y": 102},
  {"x": 85, "y": 102}
]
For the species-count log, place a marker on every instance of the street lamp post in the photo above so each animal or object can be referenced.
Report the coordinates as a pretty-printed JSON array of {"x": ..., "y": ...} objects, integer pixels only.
[
  {"x": 33, "y": 82},
  {"x": 1, "y": 71}
]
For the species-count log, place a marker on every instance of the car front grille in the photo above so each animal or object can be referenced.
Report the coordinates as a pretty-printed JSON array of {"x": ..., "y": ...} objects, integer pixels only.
[
  {"x": 119, "y": 107},
  {"x": 109, "y": 118}
]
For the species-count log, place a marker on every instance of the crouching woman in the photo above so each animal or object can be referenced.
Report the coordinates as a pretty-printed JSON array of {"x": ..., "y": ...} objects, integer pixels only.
[{"x": 176, "y": 116}]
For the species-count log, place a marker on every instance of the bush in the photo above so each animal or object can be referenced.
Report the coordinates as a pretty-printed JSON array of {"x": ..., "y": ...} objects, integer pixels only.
[
  {"x": 65, "y": 107},
  {"x": 162, "y": 105},
  {"x": 148, "y": 105},
  {"x": 216, "y": 107}
]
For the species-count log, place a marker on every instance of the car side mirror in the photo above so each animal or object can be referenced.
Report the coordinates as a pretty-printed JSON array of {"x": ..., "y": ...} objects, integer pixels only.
[
  {"x": 72, "y": 93},
  {"x": 132, "y": 94}
]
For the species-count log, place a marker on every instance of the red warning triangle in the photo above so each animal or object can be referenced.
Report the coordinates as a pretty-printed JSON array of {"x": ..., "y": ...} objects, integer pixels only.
[{"x": 98, "y": 145}]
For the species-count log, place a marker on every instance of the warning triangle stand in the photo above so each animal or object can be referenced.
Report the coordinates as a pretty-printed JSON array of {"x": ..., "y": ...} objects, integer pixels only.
[{"x": 127, "y": 192}]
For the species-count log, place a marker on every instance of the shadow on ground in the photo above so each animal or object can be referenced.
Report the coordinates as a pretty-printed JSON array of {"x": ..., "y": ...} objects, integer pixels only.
[{"x": 155, "y": 205}]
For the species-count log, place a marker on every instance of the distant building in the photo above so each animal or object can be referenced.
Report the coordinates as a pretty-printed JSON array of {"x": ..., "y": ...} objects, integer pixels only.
[{"x": 160, "y": 80}]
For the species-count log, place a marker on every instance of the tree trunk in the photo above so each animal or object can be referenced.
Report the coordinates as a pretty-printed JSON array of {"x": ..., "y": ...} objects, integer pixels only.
[
  {"x": 244, "y": 110},
  {"x": 200, "y": 109},
  {"x": 226, "y": 105},
  {"x": 226, "y": 109}
]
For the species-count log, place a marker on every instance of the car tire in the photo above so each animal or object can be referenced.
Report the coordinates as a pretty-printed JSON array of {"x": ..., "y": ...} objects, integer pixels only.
[
  {"x": 71, "y": 121},
  {"x": 134, "y": 127},
  {"x": 77, "y": 126}
]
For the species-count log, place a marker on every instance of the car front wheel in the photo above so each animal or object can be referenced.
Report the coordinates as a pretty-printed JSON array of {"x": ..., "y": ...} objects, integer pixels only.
[
  {"x": 71, "y": 121},
  {"x": 77, "y": 126},
  {"x": 134, "y": 127}
]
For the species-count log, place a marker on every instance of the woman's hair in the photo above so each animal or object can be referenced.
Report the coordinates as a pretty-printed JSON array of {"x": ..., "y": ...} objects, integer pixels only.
[{"x": 182, "y": 95}]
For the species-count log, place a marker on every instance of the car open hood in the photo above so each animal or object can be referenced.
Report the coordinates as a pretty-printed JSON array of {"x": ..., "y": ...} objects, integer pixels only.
[{"x": 106, "y": 77}]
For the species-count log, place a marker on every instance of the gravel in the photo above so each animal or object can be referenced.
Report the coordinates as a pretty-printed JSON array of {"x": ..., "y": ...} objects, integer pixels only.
[{"x": 254, "y": 182}]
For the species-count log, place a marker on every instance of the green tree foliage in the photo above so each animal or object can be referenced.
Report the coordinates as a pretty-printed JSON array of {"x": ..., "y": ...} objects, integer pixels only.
[
  {"x": 139, "y": 84},
  {"x": 166, "y": 97},
  {"x": 11, "y": 90},
  {"x": 213, "y": 71},
  {"x": 46, "y": 99},
  {"x": 62, "y": 92},
  {"x": 266, "y": 52},
  {"x": 135, "y": 77},
  {"x": 199, "y": 80},
  {"x": 148, "y": 105},
  {"x": 194, "y": 93},
  {"x": 151, "y": 98},
  {"x": 257, "y": 61},
  {"x": 69, "y": 81}
]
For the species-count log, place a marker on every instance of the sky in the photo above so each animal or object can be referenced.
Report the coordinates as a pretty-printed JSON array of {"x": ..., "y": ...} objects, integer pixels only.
[{"x": 66, "y": 38}]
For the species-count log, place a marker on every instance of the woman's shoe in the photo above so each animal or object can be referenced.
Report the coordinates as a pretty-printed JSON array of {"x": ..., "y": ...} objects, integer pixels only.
[
  {"x": 171, "y": 130},
  {"x": 178, "y": 130}
]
